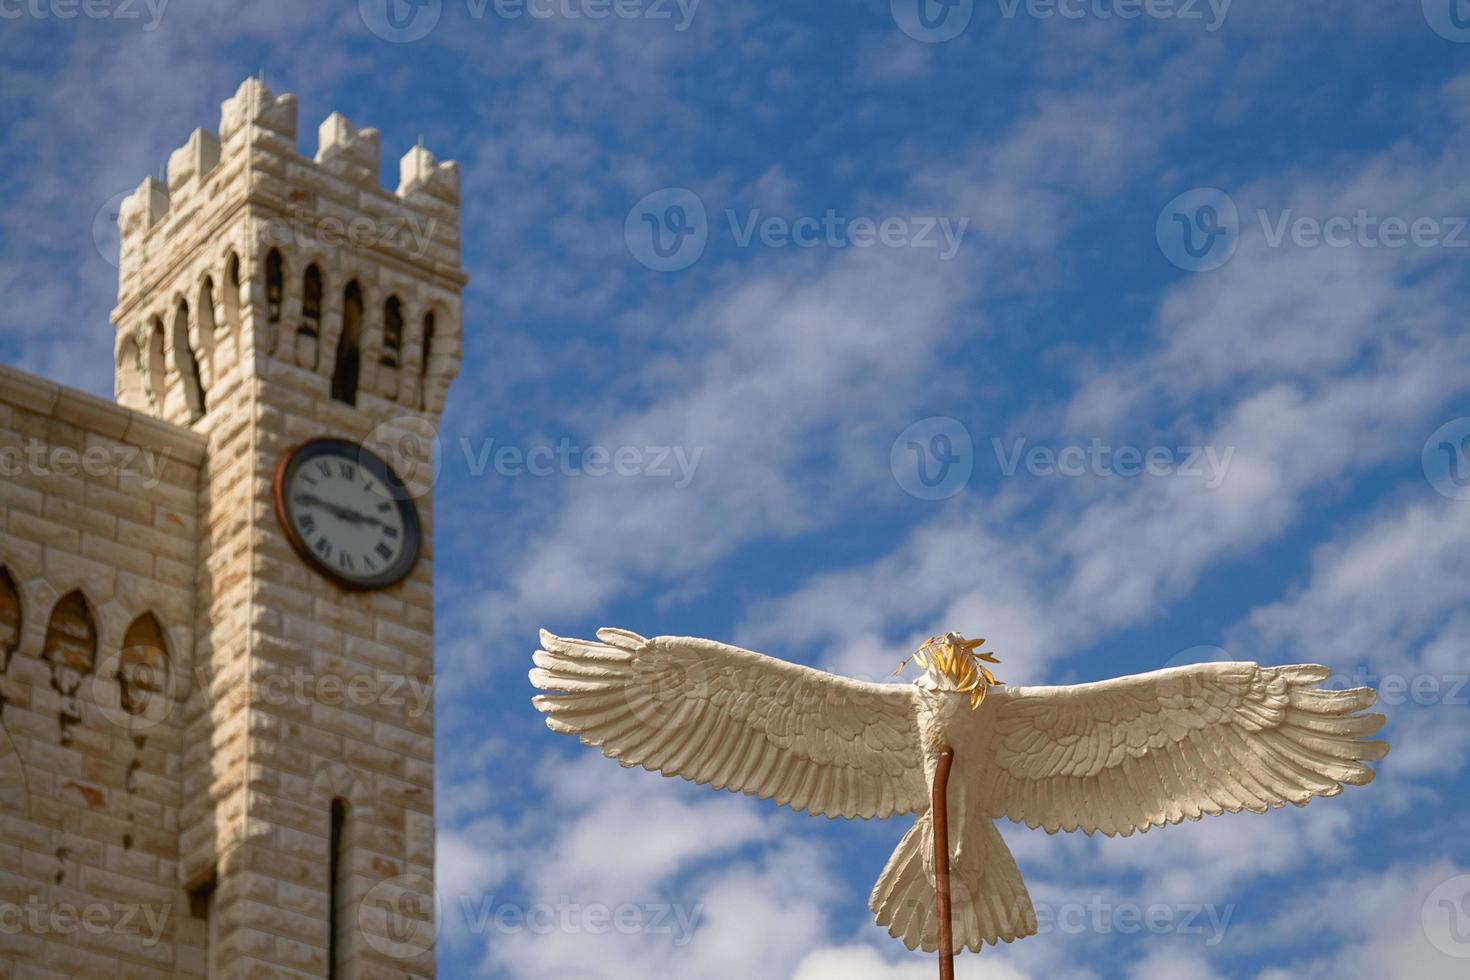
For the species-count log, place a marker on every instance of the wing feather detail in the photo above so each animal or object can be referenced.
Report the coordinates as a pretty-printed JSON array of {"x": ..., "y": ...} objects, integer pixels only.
[
  {"x": 1125, "y": 755},
  {"x": 736, "y": 720}
]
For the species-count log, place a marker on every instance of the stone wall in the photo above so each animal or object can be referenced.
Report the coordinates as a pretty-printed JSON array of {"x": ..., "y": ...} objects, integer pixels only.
[{"x": 98, "y": 531}]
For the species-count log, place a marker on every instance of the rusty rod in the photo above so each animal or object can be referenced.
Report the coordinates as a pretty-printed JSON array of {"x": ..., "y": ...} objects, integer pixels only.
[{"x": 941, "y": 863}]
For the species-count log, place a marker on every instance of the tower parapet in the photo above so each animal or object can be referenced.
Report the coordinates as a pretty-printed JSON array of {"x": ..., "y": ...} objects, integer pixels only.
[
  {"x": 267, "y": 299},
  {"x": 252, "y": 254}
]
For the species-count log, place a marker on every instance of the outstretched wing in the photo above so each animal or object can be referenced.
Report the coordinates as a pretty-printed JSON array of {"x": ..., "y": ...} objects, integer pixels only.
[
  {"x": 1139, "y": 752},
  {"x": 737, "y": 720}
]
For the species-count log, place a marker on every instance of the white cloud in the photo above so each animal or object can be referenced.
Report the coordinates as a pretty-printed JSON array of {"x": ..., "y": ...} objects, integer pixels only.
[{"x": 1369, "y": 924}]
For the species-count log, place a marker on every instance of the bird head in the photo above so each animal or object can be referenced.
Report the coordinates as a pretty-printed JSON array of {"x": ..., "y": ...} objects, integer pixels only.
[{"x": 953, "y": 663}]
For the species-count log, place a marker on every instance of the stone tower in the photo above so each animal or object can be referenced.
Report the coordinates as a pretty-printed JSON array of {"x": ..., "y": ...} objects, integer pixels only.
[{"x": 265, "y": 300}]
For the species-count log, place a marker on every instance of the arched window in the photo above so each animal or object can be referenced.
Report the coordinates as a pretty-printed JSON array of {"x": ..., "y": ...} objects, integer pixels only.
[
  {"x": 187, "y": 364},
  {"x": 275, "y": 280},
  {"x": 142, "y": 670},
  {"x": 10, "y": 619},
  {"x": 392, "y": 332},
  {"x": 391, "y": 356},
  {"x": 344, "y": 375},
  {"x": 232, "y": 293},
  {"x": 307, "y": 336},
  {"x": 71, "y": 653},
  {"x": 157, "y": 367},
  {"x": 426, "y": 359},
  {"x": 340, "y": 872}
]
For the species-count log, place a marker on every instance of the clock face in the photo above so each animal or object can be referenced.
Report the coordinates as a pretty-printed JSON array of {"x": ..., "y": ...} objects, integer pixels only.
[{"x": 347, "y": 514}]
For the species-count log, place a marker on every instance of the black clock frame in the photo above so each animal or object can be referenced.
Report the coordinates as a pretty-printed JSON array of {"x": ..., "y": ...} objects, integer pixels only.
[{"x": 295, "y": 458}]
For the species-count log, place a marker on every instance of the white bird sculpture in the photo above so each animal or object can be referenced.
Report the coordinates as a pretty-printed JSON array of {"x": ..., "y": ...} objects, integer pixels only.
[{"x": 1118, "y": 756}]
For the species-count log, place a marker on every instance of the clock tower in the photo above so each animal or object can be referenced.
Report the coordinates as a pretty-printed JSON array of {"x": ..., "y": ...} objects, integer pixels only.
[{"x": 306, "y": 323}]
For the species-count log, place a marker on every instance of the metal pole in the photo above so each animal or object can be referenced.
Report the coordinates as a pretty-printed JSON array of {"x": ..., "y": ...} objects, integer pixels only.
[{"x": 941, "y": 863}]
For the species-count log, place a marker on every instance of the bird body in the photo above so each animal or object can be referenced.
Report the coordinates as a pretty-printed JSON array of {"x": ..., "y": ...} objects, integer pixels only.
[{"x": 1117, "y": 757}]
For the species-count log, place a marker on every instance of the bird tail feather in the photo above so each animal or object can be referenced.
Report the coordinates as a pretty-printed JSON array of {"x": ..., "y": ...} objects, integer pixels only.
[{"x": 989, "y": 902}]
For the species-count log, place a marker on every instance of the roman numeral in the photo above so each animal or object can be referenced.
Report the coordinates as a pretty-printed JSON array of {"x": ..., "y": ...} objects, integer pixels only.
[
  {"x": 324, "y": 548},
  {"x": 383, "y": 550},
  {"x": 391, "y": 532},
  {"x": 308, "y": 523},
  {"x": 348, "y": 471},
  {"x": 325, "y": 469},
  {"x": 347, "y": 563}
]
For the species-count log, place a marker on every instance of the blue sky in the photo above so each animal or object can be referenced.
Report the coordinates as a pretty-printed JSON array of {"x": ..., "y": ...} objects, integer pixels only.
[{"x": 1295, "y": 374}]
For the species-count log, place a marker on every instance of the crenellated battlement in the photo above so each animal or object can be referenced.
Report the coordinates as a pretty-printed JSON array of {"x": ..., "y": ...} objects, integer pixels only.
[
  {"x": 256, "y": 144},
  {"x": 251, "y": 257}
]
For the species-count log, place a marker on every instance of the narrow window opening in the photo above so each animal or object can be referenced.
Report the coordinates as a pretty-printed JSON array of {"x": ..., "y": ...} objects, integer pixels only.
[
  {"x": 187, "y": 364},
  {"x": 426, "y": 360},
  {"x": 275, "y": 278},
  {"x": 392, "y": 332},
  {"x": 157, "y": 368},
  {"x": 344, "y": 376},
  {"x": 391, "y": 355},
  {"x": 202, "y": 906},
  {"x": 232, "y": 293},
  {"x": 308, "y": 336},
  {"x": 338, "y": 887}
]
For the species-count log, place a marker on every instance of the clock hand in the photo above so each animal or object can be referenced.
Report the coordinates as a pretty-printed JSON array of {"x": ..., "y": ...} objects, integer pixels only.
[
  {"x": 349, "y": 516},
  {"x": 344, "y": 514}
]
